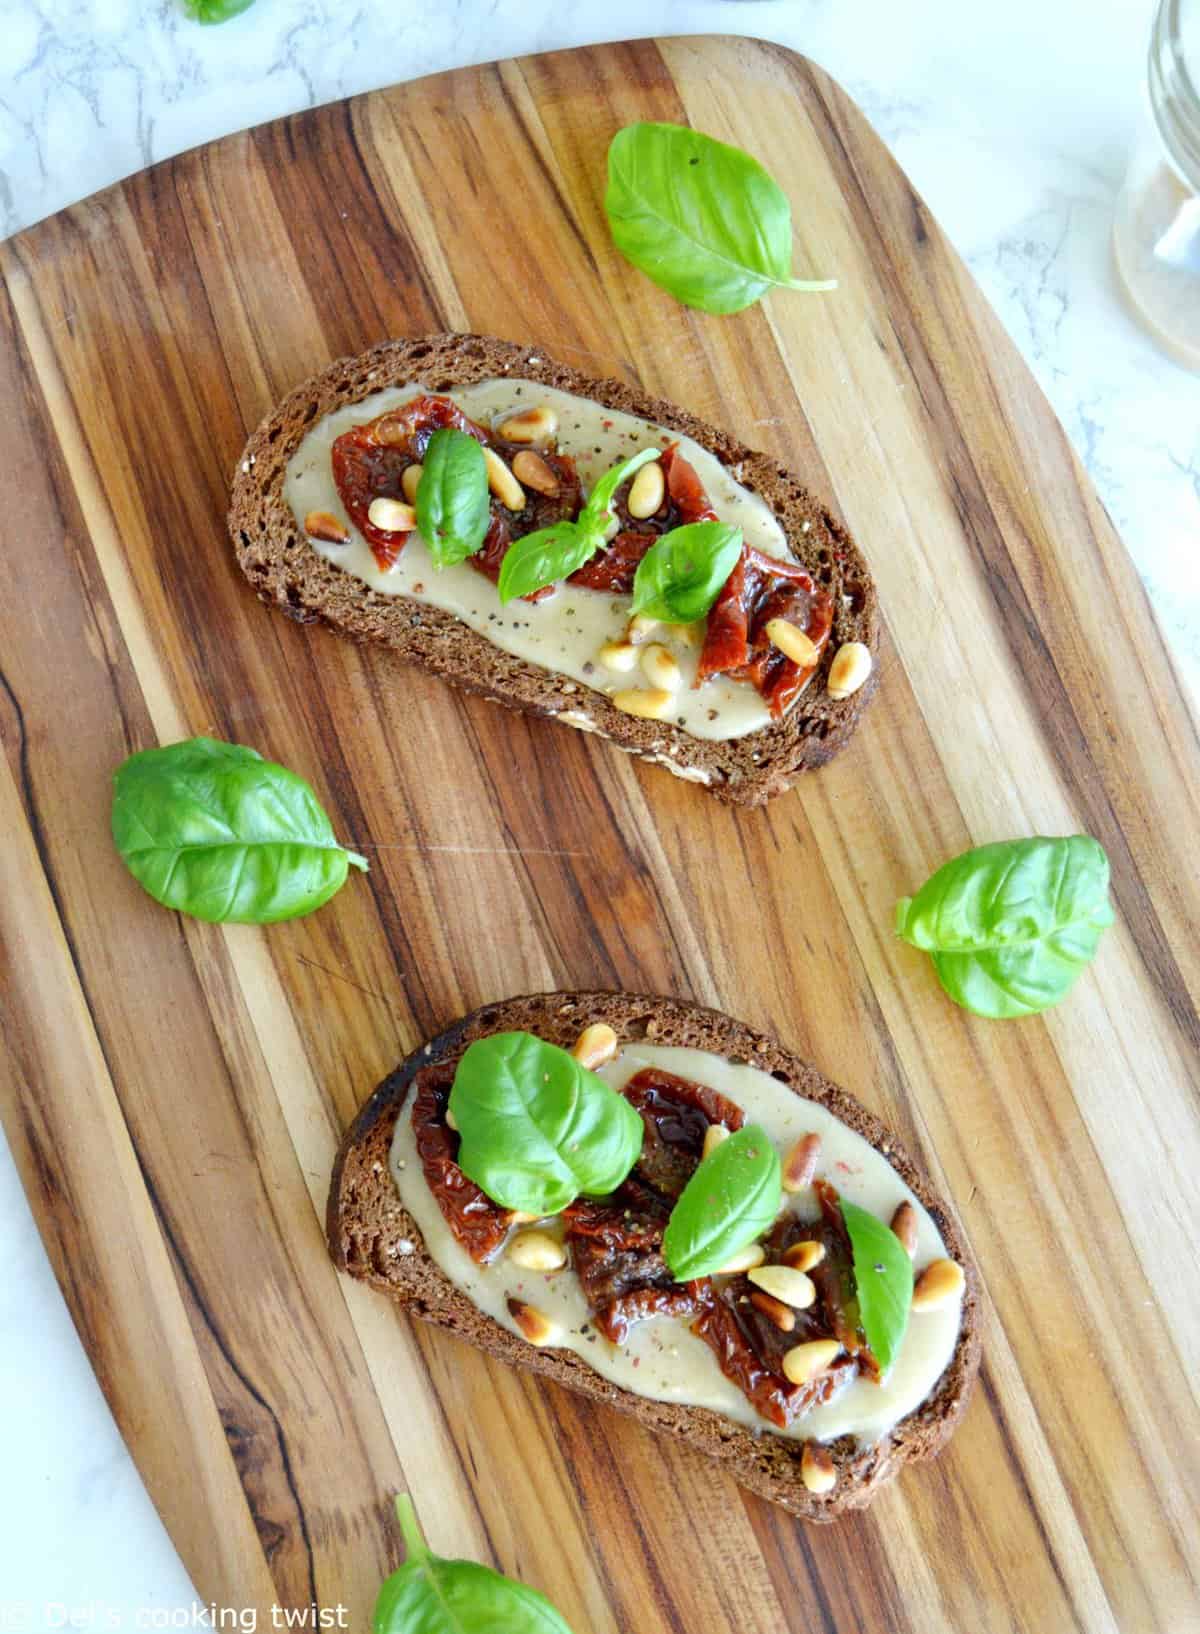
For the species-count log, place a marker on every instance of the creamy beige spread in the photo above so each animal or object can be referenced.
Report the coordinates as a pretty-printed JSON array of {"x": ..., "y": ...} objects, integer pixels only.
[
  {"x": 662, "y": 1359},
  {"x": 566, "y": 631}
]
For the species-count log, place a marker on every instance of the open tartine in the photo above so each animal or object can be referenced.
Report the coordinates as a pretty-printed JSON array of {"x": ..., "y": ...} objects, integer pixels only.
[
  {"x": 586, "y": 1299},
  {"x": 770, "y": 681}
]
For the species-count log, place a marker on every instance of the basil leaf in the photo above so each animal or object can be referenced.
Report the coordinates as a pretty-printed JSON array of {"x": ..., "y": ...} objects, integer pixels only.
[
  {"x": 543, "y": 557},
  {"x": 597, "y": 514},
  {"x": 536, "y": 1129},
  {"x": 214, "y": 830},
  {"x": 215, "y": 11},
  {"x": 684, "y": 572},
  {"x": 703, "y": 220},
  {"x": 1011, "y": 925},
  {"x": 883, "y": 1281},
  {"x": 453, "y": 513},
  {"x": 429, "y": 1595},
  {"x": 730, "y": 1200}
]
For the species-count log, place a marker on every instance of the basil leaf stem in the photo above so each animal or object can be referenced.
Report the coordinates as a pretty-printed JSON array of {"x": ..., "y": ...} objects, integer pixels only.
[{"x": 429, "y": 1595}]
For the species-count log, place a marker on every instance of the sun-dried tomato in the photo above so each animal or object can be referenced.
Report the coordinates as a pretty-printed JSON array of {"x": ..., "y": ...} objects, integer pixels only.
[
  {"x": 733, "y": 1332},
  {"x": 477, "y": 1223},
  {"x": 616, "y": 1242},
  {"x": 369, "y": 462},
  {"x": 759, "y": 589},
  {"x": 676, "y": 1114},
  {"x": 679, "y": 1300}
]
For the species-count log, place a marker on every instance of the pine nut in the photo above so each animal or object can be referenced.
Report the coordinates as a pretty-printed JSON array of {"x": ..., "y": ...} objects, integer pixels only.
[
  {"x": 817, "y": 1469},
  {"x": 744, "y": 1260},
  {"x": 713, "y": 1136},
  {"x": 785, "y": 1283},
  {"x": 641, "y": 628},
  {"x": 532, "y": 470},
  {"x": 532, "y": 425},
  {"x": 502, "y": 482},
  {"x": 595, "y": 1045},
  {"x": 904, "y": 1224},
  {"x": 619, "y": 655},
  {"x": 850, "y": 668},
  {"x": 803, "y": 1363},
  {"x": 451, "y": 1121},
  {"x": 800, "y": 1164},
  {"x": 803, "y": 1256},
  {"x": 391, "y": 430},
  {"x": 411, "y": 481},
  {"x": 792, "y": 642},
  {"x": 774, "y": 1310},
  {"x": 661, "y": 668},
  {"x": 537, "y": 1251},
  {"x": 647, "y": 491},
  {"x": 520, "y": 1217},
  {"x": 391, "y": 516},
  {"x": 652, "y": 704},
  {"x": 320, "y": 525},
  {"x": 939, "y": 1283},
  {"x": 535, "y": 1325}
]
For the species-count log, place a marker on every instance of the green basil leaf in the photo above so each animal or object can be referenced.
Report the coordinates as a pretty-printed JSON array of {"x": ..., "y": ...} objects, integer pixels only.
[
  {"x": 731, "y": 1199},
  {"x": 550, "y": 554},
  {"x": 543, "y": 557},
  {"x": 535, "y": 1128},
  {"x": 883, "y": 1281},
  {"x": 684, "y": 572},
  {"x": 215, "y": 11},
  {"x": 597, "y": 514},
  {"x": 214, "y": 830},
  {"x": 1011, "y": 925},
  {"x": 453, "y": 513},
  {"x": 703, "y": 220},
  {"x": 429, "y": 1595}
]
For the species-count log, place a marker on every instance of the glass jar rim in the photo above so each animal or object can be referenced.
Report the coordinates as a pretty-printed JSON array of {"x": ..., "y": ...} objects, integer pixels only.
[{"x": 1173, "y": 93}]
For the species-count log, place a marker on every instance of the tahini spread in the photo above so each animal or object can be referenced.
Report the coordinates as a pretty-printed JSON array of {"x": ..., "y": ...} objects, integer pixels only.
[
  {"x": 566, "y": 631},
  {"x": 662, "y": 1359}
]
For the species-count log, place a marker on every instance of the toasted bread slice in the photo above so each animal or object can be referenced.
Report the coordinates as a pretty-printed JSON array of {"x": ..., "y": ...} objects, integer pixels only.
[
  {"x": 373, "y": 1237},
  {"x": 286, "y": 570}
]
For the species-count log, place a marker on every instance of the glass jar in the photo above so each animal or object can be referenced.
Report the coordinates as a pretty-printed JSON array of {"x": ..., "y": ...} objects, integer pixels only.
[{"x": 1156, "y": 234}]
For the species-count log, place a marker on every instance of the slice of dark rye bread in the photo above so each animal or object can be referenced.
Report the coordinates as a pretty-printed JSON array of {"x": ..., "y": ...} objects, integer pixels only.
[
  {"x": 366, "y": 1226},
  {"x": 285, "y": 570}
]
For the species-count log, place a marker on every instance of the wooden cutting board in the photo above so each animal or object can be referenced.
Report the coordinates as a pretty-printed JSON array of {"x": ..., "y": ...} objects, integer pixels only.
[{"x": 175, "y": 1091}]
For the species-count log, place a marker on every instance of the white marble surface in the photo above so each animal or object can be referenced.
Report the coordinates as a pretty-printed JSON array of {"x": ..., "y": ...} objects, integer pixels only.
[{"x": 1013, "y": 120}]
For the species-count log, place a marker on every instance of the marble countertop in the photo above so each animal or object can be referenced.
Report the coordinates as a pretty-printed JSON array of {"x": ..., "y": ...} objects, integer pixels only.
[{"x": 1015, "y": 123}]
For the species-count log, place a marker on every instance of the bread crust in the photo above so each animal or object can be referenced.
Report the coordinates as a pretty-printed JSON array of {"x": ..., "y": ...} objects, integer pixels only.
[
  {"x": 366, "y": 1225},
  {"x": 288, "y": 573}
]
